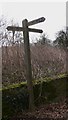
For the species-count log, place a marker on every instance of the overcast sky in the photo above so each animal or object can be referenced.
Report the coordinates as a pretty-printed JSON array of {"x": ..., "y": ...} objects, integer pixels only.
[{"x": 54, "y": 12}]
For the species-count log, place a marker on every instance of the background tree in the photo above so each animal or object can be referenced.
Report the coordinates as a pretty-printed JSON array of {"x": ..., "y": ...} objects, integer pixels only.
[
  {"x": 6, "y": 37},
  {"x": 61, "y": 39},
  {"x": 44, "y": 39},
  {"x": 67, "y": 37}
]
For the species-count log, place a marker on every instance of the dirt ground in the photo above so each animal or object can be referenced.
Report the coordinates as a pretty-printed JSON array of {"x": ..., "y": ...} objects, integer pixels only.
[{"x": 54, "y": 111}]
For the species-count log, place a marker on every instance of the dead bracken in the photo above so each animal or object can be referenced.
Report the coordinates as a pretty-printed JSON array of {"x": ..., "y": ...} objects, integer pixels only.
[{"x": 54, "y": 111}]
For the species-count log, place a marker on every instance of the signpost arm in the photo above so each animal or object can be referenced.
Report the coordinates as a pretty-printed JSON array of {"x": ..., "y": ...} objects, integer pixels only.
[
  {"x": 36, "y": 21},
  {"x": 28, "y": 64}
]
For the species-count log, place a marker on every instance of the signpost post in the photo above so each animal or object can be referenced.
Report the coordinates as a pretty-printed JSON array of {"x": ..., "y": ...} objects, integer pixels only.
[{"x": 26, "y": 31}]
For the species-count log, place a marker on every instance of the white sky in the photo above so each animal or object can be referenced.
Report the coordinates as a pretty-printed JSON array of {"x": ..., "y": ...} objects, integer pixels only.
[{"x": 54, "y": 12}]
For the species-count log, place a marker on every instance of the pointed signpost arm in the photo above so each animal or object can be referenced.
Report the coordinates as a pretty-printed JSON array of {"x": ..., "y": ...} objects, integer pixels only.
[
  {"x": 36, "y": 21},
  {"x": 14, "y": 28},
  {"x": 35, "y": 30}
]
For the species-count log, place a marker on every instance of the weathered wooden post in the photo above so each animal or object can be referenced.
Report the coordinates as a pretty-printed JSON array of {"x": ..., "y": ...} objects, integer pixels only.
[
  {"x": 28, "y": 63},
  {"x": 26, "y": 31}
]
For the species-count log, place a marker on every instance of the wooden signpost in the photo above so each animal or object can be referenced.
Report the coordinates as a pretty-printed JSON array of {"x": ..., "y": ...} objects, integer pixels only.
[{"x": 26, "y": 31}]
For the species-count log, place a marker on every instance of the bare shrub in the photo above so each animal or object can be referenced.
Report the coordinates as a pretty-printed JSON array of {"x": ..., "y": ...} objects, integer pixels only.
[{"x": 46, "y": 61}]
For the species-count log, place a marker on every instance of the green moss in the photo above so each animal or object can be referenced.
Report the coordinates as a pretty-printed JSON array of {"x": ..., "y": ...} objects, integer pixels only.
[
  {"x": 15, "y": 85},
  {"x": 62, "y": 75},
  {"x": 46, "y": 79}
]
